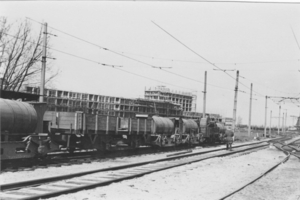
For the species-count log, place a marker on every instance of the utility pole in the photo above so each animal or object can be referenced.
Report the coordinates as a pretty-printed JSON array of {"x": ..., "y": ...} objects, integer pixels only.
[
  {"x": 282, "y": 123},
  {"x": 235, "y": 100},
  {"x": 204, "y": 94},
  {"x": 279, "y": 120},
  {"x": 293, "y": 118},
  {"x": 43, "y": 71},
  {"x": 266, "y": 108},
  {"x": 285, "y": 121},
  {"x": 249, "y": 124},
  {"x": 270, "y": 123}
]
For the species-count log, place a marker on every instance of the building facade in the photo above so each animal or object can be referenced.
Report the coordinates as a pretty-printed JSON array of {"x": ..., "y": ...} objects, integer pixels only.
[
  {"x": 186, "y": 100},
  {"x": 68, "y": 101}
]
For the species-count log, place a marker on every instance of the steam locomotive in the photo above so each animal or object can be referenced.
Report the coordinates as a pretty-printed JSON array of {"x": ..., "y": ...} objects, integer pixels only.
[{"x": 28, "y": 131}]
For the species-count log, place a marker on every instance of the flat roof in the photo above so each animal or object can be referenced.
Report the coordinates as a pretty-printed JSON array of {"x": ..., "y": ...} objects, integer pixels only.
[{"x": 7, "y": 94}]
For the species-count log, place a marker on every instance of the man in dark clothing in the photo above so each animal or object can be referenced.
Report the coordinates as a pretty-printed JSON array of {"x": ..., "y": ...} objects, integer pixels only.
[{"x": 229, "y": 138}]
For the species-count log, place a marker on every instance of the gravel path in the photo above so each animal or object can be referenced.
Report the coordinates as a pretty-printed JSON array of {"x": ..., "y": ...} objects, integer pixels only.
[{"x": 209, "y": 179}]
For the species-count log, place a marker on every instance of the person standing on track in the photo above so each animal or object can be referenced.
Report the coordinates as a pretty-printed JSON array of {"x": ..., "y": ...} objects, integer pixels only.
[{"x": 229, "y": 138}]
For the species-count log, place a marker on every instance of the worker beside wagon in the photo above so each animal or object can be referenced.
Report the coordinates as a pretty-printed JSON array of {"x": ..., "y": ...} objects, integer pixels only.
[{"x": 229, "y": 138}]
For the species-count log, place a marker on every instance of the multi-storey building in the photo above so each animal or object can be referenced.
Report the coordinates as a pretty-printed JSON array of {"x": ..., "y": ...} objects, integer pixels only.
[
  {"x": 187, "y": 100},
  {"x": 68, "y": 101}
]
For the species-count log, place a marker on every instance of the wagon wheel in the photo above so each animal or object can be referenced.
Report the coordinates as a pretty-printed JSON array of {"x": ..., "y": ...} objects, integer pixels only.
[
  {"x": 104, "y": 146},
  {"x": 190, "y": 142},
  {"x": 135, "y": 143},
  {"x": 163, "y": 140},
  {"x": 175, "y": 141},
  {"x": 71, "y": 150}
]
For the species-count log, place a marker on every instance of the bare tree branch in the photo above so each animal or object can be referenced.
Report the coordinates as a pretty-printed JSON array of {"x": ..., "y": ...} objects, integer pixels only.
[{"x": 19, "y": 55}]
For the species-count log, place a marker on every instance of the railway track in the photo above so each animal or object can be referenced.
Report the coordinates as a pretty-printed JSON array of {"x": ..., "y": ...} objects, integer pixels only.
[
  {"x": 50, "y": 187},
  {"x": 289, "y": 149},
  {"x": 62, "y": 159}
]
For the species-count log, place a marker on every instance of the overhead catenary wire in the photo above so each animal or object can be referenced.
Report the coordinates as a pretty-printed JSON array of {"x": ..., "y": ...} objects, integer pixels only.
[
  {"x": 114, "y": 66},
  {"x": 158, "y": 67},
  {"x": 295, "y": 38},
  {"x": 256, "y": 82},
  {"x": 238, "y": 1},
  {"x": 142, "y": 62},
  {"x": 219, "y": 63},
  {"x": 226, "y": 1},
  {"x": 139, "y": 61},
  {"x": 211, "y": 63},
  {"x": 104, "y": 64}
]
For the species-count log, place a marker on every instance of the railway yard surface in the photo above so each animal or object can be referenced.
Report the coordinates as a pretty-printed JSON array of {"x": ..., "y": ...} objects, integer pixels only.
[{"x": 214, "y": 178}]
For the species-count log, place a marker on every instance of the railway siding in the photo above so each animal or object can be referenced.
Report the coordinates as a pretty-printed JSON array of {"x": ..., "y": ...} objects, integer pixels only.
[
  {"x": 209, "y": 179},
  {"x": 78, "y": 184},
  {"x": 50, "y": 171},
  {"x": 282, "y": 183}
]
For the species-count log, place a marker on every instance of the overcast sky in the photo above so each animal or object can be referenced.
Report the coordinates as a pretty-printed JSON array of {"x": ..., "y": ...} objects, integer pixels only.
[{"x": 188, "y": 37}]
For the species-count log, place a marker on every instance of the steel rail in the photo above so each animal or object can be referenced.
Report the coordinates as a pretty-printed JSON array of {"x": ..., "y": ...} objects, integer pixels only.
[
  {"x": 257, "y": 178},
  {"x": 135, "y": 173},
  {"x": 11, "y": 186},
  {"x": 265, "y": 173},
  {"x": 298, "y": 156}
]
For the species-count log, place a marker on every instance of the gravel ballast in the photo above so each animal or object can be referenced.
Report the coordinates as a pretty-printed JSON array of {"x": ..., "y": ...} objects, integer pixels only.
[
  {"x": 209, "y": 179},
  {"x": 50, "y": 171}
]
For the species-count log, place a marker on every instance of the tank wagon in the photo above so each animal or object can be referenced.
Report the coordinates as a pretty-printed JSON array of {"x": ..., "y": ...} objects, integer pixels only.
[
  {"x": 22, "y": 129},
  {"x": 27, "y": 131}
]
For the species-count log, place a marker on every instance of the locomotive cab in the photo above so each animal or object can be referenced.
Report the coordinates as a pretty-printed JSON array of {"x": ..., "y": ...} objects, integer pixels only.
[{"x": 211, "y": 130}]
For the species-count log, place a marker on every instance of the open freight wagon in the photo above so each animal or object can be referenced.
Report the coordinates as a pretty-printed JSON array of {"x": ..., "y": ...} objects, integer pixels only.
[{"x": 102, "y": 132}]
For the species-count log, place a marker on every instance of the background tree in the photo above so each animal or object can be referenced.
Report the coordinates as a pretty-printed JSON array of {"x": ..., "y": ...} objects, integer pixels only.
[{"x": 20, "y": 55}]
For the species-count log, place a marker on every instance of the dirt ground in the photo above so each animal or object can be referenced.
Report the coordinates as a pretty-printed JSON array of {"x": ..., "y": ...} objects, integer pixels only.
[{"x": 209, "y": 179}]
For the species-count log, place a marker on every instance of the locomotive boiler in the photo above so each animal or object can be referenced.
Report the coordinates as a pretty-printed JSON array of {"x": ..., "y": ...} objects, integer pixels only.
[{"x": 211, "y": 130}]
